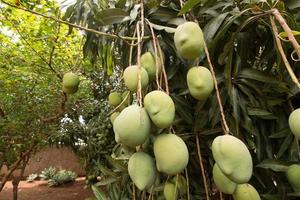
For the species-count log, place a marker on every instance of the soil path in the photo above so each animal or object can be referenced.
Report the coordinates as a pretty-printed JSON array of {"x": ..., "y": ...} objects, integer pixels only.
[{"x": 39, "y": 190}]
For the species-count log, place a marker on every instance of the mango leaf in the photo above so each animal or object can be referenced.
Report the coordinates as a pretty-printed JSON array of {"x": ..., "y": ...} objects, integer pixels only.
[
  {"x": 285, "y": 145},
  {"x": 280, "y": 134},
  {"x": 213, "y": 26},
  {"x": 162, "y": 14},
  {"x": 188, "y": 6},
  {"x": 106, "y": 181},
  {"x": 257, "y": 75},
  {"x": 112, "y": 16},
  {"x": 98, "y": 193},
  {"x": 257, "y": 112},
  {"x": 293, "y": 4},
  {"x": 165, "y": 28},
  {"x": 275, "y": 165}
]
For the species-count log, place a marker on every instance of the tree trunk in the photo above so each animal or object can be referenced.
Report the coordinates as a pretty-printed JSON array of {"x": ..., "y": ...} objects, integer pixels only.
[{"x": 16, "y": 180}]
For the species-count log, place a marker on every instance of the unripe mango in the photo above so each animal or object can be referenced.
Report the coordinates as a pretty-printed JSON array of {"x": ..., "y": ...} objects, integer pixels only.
[
  {"x": 132, "y": 126},
  {"x": 223, "y": 183},
  {"x": 149, "y": 64},
  {"x": 70, "y": 90},
  {"x": 142, "y": 171},
  {"x": 293, "y": 176},
  {"x": 245, "y": 192},
  {"x": 200, "y": 82},
  {"x": 114, "y": 99},
  {"x": 233, "y": 158},
  {"x": 70, "y": 83},
  {"x": 160, "y": 108},
  {"x": 114, "y": 116},
  {"x": 171, "y": 154},
  {"x": 294, "y": 124},
  {"x": 131, "y": 77},
  {"x": 170, "y": 192},
  {"x": 189, "y": 40}
]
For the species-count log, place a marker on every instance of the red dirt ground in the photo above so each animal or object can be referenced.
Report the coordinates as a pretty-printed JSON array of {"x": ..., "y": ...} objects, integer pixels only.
[{"x": 39, "y": 190}]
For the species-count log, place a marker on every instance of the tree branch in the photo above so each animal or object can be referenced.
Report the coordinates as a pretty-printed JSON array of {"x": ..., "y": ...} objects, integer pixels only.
[
  {"x": 59, "y": 113},
  {"x": 288, "y": 31},
  {"x": 16, "y": 165},
  {"x": 74, "y": 25},
  {"x": 281, "y": 51}
]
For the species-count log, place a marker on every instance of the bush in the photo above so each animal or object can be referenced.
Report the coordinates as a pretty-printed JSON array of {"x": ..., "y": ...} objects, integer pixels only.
[
  {"x": 48, "y": 173},
  {"x": 32, "y": 177},
  {"x": 62, "y": 177}
]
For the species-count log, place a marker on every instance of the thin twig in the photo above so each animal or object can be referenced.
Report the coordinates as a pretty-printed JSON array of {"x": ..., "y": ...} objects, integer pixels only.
[
  {"x": 287, "y": 29},
  {"x": 187, "y": 184},
  {"x": 120, "y": 104},
  {"x": 281, "y": 51},
  {"x": 223, "y": 119},
  {"x": 163, "y": 67},
  {"x": 156, "y": 54},
  {"x": 52, "y": 52},
  {"x": 139, "y": 49},
  {"x": 181, "y": 5},
  {"x": 74, "y": 25},
  {"x": 202, "y": 167}
]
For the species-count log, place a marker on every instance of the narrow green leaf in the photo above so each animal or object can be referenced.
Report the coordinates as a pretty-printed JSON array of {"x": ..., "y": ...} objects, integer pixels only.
[
  {"x": 280, "y": 134},
  {"x": 257, "y": 75},
  {"x": 188, "y": 6},
  {"x": 98, "y": 193},
  {"x": 285, "y": 145},
  {"x": 274, "y": 165},
  {"x": 112, "y": 16}
]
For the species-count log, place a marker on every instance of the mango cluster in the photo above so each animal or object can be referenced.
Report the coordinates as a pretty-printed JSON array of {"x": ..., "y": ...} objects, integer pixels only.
[
  {"x": 233, "y": 168},
  {"x": 133, "y": 124}
]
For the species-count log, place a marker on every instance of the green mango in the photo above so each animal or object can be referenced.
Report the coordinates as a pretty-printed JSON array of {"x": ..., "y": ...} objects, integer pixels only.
[
  {"x": 160, "y": 108},
  {"x": 70, "y": 83},
  {"x": 200, "y": 82},
  {"x": 171, "y": 154},
  {"x": 70, "y": 90},
  {"x": 293, "y": 176},
  {"x": 132, "y": 126},
  {"x": 114, "y": 116},
  {"x": 114, "y": 99},
  {"x": 131, "y": 77},
  {"x": 189, "y": 40},
  {"x": 223, "y": 183},
  {"x": 149, "y": 64},
  {"x": 170, "y": 192},
  {"x": 142, "y": 171},
  {"x": 245, "y": 192},
  {"x": 233, "y": 158},
  {"x": 294, "y": 124}
]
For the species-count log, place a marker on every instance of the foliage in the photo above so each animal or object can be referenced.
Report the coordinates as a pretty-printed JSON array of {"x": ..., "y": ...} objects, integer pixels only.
[
  {"x": 48, "y": 173},
  {"x": 62, "y": 177},
  {"x": 32, "y": 60}
]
